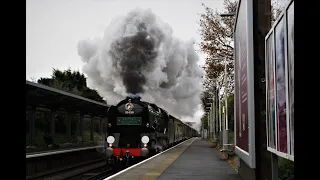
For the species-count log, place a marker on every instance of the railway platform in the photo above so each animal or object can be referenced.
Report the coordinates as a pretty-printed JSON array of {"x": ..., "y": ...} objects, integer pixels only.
[{"x": 190, "y": 160}]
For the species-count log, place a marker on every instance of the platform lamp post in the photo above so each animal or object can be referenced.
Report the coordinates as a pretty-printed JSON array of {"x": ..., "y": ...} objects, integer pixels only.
[
  {"x": 208, "y": 126},
  {"x": 215, "y": 109},
  {"x": 210, "y": 119},
  {"x": 208, "y": 108},
  {"x": 220, "y": 122},
  {"x": 225, "y": 132},
  {"x": 217, "y": 114},
  {"x": 213, "y": 117},
  {"x": 202, "y": 130},
  {"x": 226, "y": 129},
  {"x": 206, "y": 112}
]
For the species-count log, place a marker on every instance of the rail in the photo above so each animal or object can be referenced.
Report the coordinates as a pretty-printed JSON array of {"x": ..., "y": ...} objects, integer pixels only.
[
  {"x": 71, "y": 171},
  {"x": 95, "y": 174},
  {"x": 59, "y": 152}
]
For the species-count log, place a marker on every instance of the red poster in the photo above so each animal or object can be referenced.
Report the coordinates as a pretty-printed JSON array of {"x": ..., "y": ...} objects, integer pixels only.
[
  {"x": 281, "y": 88},
  {"x": 241, "y": 83},
  {"x": 290, "y": 25}
]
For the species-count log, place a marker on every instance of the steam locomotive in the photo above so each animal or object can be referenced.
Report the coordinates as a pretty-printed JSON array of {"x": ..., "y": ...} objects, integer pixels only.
[{"x": 138, "y": 129}]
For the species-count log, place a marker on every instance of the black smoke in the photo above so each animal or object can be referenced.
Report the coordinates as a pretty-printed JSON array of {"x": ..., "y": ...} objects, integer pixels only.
[
  {"x": 134, "y": 54},
  {"x": 139, "y": 56}
]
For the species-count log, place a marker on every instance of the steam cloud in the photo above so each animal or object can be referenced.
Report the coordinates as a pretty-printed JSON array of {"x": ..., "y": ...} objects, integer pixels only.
[{"x": 138, "y": 55}]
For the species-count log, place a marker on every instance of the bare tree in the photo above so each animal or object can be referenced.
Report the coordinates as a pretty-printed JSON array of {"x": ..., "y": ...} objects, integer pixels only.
[
  {"x": 276, "y": 9},
  {"x": 217, "y": 41}
]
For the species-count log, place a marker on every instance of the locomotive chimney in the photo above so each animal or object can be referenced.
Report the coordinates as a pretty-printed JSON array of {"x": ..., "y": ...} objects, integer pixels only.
[{"x": 134, "y": 96}]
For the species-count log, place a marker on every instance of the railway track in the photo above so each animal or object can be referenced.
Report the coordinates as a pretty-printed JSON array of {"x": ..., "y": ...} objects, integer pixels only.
[
  {"x": 93, "y": 170},
  {"x": 96, "y": 174},
  {"x": 73, "y": 171}
]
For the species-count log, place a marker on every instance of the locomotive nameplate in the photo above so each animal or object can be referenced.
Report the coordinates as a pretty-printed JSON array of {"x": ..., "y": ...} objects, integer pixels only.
[{"x": 129, "y": 121}]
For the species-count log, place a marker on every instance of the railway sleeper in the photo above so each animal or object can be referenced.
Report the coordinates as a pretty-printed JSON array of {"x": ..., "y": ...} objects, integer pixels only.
[{"x": 51, "y": 172}]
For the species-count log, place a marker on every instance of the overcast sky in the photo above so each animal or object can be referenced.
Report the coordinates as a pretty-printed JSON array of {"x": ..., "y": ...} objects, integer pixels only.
[{"x": 54, "y": 27}]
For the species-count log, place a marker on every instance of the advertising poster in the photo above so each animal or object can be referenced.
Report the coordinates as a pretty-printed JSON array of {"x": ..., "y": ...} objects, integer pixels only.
[
  {"x": 281, "y": 87},
  {"x": 290, "y": 36},
  {"x": 236, "y": 98},
  {"x": 244, "y": 84},
  {"x": 271, "y": 120},
  {"x": 242, "y": 140}
]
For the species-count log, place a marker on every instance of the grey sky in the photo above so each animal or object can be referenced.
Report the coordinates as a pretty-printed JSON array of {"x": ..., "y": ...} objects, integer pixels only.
[{"x": 54, "y": 27}]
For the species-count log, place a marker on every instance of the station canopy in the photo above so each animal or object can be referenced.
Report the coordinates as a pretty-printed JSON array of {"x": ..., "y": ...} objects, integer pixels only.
[{"x": 39, "y": 95}]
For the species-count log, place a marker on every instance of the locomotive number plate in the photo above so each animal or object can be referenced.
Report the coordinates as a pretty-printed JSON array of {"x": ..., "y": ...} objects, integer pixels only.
[{"x": 129, "y": 121}]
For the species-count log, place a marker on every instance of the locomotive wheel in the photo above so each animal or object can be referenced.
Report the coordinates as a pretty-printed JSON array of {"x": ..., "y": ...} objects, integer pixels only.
[
  {"x": 165, "y": 144},
  {"x": 116, "y": 166},
  {"x": 152, "y": 150}
]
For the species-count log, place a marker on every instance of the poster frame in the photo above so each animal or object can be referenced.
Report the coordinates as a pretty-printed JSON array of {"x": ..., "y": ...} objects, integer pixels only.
[
  {"x": 291, "y": 156},
  {"x": 248, "y": 157},
  {"x": 271, "y": 34}
]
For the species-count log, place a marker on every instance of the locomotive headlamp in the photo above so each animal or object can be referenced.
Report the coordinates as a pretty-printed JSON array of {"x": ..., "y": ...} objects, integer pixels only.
[
  {"x": 145, "y": 139},
  {"x": 110, "y": 139}
]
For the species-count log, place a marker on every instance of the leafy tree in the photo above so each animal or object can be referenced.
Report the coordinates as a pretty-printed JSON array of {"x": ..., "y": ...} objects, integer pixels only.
[
  {"x": 71, "y": 81},
  {"x": 276, "y": 9},
  {"x": 216, "y": 33},
  {"x": 217, "y": 41}
]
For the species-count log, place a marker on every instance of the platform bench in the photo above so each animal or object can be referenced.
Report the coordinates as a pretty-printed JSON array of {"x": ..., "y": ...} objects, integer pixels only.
[{"x": 228, "y": 148}]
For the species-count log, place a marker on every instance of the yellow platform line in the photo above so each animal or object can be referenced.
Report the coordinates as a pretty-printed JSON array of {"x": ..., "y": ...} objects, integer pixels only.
[{"x": 154, "y": 173}]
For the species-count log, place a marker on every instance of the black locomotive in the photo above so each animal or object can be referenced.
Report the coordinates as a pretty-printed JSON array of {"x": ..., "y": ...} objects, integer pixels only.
[{"x": 138, "y": 129}]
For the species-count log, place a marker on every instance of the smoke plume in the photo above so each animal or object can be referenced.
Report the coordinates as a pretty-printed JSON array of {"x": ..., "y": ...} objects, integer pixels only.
[{"x": 139, "y": 56}]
